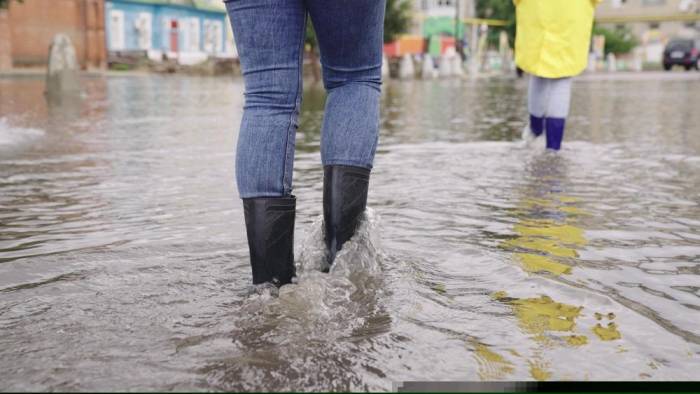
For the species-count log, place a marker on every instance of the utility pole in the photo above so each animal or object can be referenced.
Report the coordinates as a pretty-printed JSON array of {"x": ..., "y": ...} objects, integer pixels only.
[
  {"x": 474, "y": 40},
  {"x": 458, "y": 42}
]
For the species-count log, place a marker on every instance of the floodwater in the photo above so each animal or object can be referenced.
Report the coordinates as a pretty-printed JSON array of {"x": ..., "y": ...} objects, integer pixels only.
[{"x": 123, "y": 259}]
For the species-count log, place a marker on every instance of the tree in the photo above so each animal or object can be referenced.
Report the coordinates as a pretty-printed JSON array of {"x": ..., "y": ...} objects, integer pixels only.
[
  {"x": 617, "y": 41},
  {"x": 4, "y": 4},
  {"x": 498, "y": 9},
  {"x": 396, "y": 19}
]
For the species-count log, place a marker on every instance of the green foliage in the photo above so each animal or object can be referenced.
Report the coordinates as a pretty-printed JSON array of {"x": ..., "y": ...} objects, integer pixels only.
[
  {"x": 4, "y": 4},
  {"x": 120, "y": 67},
  {"x": 310, "y": 38},
  {"x": 498, "y": 9},
  {"x": 397, "y": 18},
  {"x": 617, "y": 41}
]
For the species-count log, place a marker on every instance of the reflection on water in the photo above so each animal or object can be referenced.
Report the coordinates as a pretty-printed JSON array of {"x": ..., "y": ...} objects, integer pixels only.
[
  {"x": 547, "y": 237},
  {"x": 547, "y": 231},
  {"x": 492, "y": 366},
  {"x": 123, "y": 255}
]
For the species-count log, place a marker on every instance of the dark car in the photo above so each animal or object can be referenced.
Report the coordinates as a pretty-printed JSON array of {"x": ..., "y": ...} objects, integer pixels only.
[{"x": 682, "y": 52}]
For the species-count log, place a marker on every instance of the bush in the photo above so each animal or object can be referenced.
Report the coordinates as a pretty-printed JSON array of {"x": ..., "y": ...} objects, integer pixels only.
[
  {"x": 397, "y": 19},
  {"x": 618, "y": 41},
  {"x": 498, "y": 9},
  {"x": 6, "y": 3}
]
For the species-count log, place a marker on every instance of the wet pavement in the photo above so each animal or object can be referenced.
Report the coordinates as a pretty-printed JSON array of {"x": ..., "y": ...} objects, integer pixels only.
[{"x": 123, "y": 260}]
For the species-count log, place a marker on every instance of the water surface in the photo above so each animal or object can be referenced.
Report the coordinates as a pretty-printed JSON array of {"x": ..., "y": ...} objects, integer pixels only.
[{"x": 123, "y": 260}]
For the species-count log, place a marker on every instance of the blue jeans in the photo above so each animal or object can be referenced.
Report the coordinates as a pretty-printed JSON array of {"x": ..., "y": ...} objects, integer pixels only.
[{"x": 269, "y": 37}]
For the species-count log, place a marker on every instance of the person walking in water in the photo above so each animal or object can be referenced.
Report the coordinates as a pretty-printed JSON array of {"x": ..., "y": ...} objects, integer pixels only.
[
  {"x": 552, "y": 43},
  {"x": 269, "y": 37}
]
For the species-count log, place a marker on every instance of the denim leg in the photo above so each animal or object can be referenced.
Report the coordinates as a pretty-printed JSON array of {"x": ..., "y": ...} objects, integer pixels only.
[
  {"x": 269, "y": 37},
  {"x": 350, "y": 37}
]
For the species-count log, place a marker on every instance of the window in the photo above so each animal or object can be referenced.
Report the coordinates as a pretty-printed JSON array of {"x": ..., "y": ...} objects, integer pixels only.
[
  {"x": 213, "y": 36},
  {"x": 192, "y": 39},
  {"x": 143, "y": 25},
  {"x": 116, "y": 30}
]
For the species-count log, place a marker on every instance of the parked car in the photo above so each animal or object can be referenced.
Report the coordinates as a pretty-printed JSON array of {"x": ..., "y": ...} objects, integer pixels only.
[{"x": 682, "y": 52}]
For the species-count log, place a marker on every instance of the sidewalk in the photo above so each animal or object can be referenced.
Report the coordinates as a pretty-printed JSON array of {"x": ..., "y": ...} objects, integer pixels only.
[
  {"x": 676, "y": 75},
  {"x": 41, "y": 72}
]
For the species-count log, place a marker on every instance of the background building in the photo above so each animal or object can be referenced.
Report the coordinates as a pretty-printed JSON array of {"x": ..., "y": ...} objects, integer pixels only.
[
  {"x": 434, "y": 20},
  {"x": 189, "y": 30},
  {"x": 437, "y": 17},
  {"x": 30, "y": 26},
  {"x": 653, "y": 22}
]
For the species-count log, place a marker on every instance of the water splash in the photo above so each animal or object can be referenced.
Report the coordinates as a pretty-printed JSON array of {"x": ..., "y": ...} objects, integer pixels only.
[
  {"x": 11, "y": 136},
  {"x": 321, "y": 304},
  {"x": 359, "y": 254}
]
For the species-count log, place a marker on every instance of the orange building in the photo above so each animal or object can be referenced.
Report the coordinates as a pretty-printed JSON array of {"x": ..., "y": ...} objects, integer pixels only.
[{"x": 32, "y": 24}]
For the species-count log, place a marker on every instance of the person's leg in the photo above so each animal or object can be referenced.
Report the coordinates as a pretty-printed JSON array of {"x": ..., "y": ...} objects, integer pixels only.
[
  {"x": 537, "y": 96},
  {"x": 350, "y": 36},
  {"x": 269, "y": 37},
  {"x": 557, "y": 111}
]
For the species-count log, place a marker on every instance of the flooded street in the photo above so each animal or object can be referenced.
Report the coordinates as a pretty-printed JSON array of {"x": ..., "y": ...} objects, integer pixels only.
[{"x": 124, "y": 262}]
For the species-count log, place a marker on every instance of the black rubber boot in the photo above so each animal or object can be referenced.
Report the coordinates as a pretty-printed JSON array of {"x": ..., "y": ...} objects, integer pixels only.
[
  {"x": 344, "y": 201},
  {"x": 269, "y": 223}
]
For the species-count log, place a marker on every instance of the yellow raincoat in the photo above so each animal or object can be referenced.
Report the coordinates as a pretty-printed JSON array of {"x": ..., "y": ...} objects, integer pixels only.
[{"x": 553, "y": 36}]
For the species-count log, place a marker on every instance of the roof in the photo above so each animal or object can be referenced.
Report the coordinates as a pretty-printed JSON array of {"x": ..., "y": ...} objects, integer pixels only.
[
  {"x": 204, "y": 5},
  {"x": 210, "y": 5}
]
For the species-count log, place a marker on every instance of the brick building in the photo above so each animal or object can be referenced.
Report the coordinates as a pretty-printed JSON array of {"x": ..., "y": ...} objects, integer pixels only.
[{"x": 31, "y": 25}]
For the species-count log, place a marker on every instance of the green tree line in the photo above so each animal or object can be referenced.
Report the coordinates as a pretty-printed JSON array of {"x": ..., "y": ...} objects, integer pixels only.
[{"x": 6, "y": 3}]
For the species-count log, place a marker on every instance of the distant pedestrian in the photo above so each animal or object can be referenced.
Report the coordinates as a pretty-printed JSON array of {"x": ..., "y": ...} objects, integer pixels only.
[
  {"x": 551, "y": 44},
  {"x": 270, "y": 40}
]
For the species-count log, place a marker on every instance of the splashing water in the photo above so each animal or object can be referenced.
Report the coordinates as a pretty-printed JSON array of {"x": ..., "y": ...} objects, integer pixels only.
[
  {"x": 12, "y": 137},
  {"x": 359, "y": 254},
  {"x": 330, "y": 304}
]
